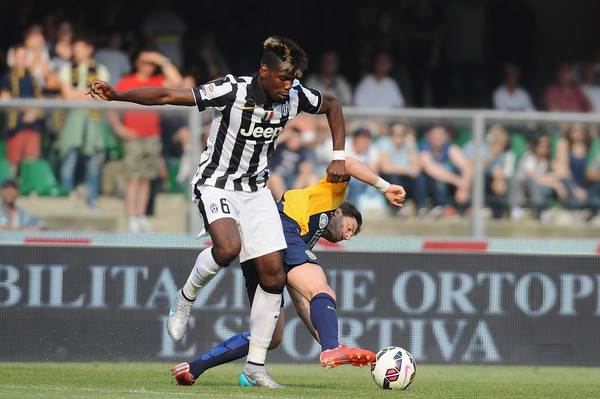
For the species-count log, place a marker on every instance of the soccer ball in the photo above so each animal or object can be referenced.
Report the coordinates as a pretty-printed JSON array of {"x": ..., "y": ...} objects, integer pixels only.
[{"x": 393, "y": 368}]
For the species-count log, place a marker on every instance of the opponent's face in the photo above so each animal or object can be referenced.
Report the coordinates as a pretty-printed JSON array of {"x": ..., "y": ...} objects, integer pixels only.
[
  {"x": 275, "y": 84},
  {"x": 340, "y": 227}
]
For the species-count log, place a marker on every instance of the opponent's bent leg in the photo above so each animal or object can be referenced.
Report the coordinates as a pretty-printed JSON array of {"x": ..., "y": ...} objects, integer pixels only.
[
  {"x": 323, "y": 316},
  {"x": 232, "y": 349},
  {"x": 310, "y": 281}
]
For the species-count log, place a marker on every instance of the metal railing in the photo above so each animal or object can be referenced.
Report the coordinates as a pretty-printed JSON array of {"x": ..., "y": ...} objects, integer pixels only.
[{"x": 478, "y": 120}]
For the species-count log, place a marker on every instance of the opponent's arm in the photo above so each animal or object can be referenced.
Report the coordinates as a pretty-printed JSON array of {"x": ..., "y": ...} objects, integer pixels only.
[
  {"x": 332, "y": 108},
  {"x": 143, "y": 95},
  {"x": 395, "y": 194}
]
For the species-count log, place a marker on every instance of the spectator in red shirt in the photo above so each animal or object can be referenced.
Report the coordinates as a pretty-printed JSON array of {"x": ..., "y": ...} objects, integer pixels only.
[
  {"x": 565, "y": 95},
  {"x": 141, "y": 131}
]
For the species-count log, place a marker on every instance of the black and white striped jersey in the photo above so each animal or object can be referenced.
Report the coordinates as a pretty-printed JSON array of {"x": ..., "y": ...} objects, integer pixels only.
[{"x": 244, "y": 130}]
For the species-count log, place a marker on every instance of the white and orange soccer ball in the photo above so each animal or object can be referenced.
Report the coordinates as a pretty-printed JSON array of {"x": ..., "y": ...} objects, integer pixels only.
[{"x": 393, "y": 368}]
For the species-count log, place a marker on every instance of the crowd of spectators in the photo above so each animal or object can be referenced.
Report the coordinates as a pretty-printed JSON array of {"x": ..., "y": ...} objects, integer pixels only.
[
  {"x": 57, "y": 55},
  {"x": 535, "y": 172}
]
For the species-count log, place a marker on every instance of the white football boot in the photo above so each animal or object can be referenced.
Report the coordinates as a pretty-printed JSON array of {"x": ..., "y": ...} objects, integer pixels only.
[
  {"x": 178, "y": 317},
  {"x": 258, "y": 379}
]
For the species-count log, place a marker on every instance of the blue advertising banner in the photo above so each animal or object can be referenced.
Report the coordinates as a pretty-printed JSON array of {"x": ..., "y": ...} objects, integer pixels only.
[{"x": 80, "y": 303}]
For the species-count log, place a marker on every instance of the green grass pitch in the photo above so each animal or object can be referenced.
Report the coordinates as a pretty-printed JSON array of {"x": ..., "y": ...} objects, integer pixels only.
[{"x": 153, "y": 380}]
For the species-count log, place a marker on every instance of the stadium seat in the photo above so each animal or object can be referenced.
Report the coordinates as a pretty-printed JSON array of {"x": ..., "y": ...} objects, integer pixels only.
[
  {"x": 519, "y": 145},
  {"x": 114, "y": 144},
  {"x": 172, "y": 184},
  {"x": 5, "y": 170},
  {"x": 2, "y": 149},
  {"x": 594, "y": 149},
  {"x": 37, "y": 176},
  {"x": 463, "y": 137},
  {"x": 553, "y": 140}
]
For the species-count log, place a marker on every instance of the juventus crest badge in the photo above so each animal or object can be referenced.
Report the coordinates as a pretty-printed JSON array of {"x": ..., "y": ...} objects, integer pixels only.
[{"x": 285, "y": 109}]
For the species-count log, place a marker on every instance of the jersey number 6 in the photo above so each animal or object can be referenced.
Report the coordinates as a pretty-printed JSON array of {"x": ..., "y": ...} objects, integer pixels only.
[{"x": 224, "y": 206}]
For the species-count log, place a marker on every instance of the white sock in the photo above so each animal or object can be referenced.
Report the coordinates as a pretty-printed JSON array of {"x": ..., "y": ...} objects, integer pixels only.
[
  {"x": 204, "y": 270},
  {"x": 263, "y": 316}
]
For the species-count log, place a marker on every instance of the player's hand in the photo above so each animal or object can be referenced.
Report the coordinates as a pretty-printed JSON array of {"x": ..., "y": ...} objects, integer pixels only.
[
  {"x": 336, "y": 171},
  {"x": 100, "y": 89},
  {"x": 395, "y": 195}
]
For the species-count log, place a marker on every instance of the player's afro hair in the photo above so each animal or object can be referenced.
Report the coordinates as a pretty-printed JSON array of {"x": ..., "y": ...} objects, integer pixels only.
[{"x": 283, "y": 53}]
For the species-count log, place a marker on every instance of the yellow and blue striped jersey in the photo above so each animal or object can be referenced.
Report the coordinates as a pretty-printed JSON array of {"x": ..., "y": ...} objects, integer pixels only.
[{"x": 312, "y": 207}]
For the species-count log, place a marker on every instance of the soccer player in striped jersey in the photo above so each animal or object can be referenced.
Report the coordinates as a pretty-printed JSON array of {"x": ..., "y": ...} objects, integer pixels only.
[
  {"x": 230, "y": 183},
  {"x": 307, "y": 215}
]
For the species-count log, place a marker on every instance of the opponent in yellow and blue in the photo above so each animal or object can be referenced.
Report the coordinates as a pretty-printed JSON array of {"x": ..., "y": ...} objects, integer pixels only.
[{"x": 306, "y": 215}]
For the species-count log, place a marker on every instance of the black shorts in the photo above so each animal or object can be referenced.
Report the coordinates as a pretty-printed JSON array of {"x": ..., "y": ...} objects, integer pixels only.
[{"x": 296, "y": 253}]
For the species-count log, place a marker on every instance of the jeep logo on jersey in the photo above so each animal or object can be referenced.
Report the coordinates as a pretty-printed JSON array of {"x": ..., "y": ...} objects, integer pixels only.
[{"x": 257, "y": 132}]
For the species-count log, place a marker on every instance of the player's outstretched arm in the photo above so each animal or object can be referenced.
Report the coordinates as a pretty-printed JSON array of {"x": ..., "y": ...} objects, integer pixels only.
[
  {"x": 100, "y": 89},
  {"x": 395, "y": 194},
  {"x": 332, "y": 108}
]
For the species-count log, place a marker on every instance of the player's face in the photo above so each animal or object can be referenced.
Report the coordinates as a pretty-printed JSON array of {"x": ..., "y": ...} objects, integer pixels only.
[
  {"x": 340, "y": 227},
  {"x": 349, "y": 227},
  {"x": 275, "y": 84}
]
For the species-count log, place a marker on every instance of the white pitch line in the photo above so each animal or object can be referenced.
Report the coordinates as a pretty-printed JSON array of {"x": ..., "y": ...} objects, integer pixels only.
[{"x": 142, "y": 391}]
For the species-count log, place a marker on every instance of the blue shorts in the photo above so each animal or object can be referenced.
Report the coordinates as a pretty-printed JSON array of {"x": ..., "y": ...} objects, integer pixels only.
[{"x": 296, "y": 253}]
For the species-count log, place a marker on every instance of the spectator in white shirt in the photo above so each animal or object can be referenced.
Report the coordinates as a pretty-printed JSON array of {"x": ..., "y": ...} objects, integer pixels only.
[
  {"x": 360, "y": 146},
  {"x": 378, "y": 90},
  {"x": 535, "y": 181},
  {"x": 510, "y": 96},
  {"x": 328, "y": 79}
]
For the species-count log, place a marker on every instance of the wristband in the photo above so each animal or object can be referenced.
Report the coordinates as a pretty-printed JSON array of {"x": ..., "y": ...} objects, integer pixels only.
[
  {"x": 382, "y": 185},
  {"x": 339, "y": 155}
]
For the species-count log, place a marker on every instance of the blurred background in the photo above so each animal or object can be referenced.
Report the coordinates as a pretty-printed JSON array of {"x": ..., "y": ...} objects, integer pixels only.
[{"x": 418, "y": 80}]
